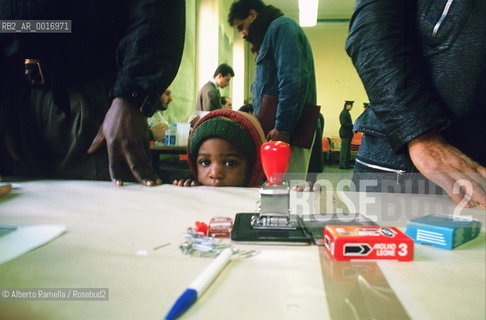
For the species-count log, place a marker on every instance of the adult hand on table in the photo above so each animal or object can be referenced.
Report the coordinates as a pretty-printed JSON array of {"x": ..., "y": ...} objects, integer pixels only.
[
  {"x": 277, "y": 135},
  {"x": 449, "y": 168},
  {"x": 124, "y": 130}
]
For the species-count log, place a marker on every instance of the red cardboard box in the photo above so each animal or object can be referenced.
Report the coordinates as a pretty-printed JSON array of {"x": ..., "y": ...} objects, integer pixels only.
[{"x": 368, "y": 243}]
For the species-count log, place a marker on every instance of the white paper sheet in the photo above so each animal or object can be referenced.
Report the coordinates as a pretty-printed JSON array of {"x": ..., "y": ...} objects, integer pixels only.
[{"x": 26, "y": 238}]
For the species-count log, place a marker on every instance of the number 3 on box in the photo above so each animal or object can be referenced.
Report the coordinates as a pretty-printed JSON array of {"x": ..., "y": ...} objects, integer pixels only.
[{"x": 403, "y": 249}]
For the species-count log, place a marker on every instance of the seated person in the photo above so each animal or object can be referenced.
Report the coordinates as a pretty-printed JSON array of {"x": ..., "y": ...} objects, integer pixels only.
[
  {"x": 193, "y": 119},
  {"x": 157, "y": 123},
  {"x": 226, "y": 103},
  {"x": 224, "y": 149}
]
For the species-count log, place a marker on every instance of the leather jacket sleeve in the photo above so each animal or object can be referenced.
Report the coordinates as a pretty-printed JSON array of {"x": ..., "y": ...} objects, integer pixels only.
[
  {"x": 149, "y": 54},
  {"x": 383, "y": 43},
  {"x": 345, "y": 120}
]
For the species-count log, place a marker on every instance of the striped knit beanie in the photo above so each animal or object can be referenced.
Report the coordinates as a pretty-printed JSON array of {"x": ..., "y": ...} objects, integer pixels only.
[{"x": 234, "y": 127}]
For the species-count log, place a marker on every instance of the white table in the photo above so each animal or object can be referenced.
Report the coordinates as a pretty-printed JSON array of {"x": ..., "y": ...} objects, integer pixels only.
[{"x": 107, "y": 225}]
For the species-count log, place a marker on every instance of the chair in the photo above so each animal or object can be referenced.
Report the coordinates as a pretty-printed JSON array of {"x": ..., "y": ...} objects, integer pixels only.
[
  {"x": 356, "y": 141},
  {"x": 335, "y": 147},
  {"x": 326, "y": 147}
]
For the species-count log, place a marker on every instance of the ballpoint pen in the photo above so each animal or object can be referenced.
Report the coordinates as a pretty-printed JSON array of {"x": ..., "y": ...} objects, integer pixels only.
[{"x": 199, "y": 285}]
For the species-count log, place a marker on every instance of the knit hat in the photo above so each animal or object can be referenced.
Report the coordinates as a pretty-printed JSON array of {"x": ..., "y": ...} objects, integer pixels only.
[{"x": 235, "y": 127}]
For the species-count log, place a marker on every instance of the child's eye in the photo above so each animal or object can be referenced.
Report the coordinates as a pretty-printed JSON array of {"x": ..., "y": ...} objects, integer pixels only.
[
  {"x": 204, "y": 162},
  {"x": 231, "y": 163}
]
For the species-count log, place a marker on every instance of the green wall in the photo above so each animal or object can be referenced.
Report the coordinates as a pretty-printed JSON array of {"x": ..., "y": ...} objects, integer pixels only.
[{"x": 184, "y": 85}]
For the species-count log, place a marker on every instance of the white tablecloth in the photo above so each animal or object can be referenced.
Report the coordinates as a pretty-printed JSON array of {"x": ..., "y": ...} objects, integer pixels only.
[{"x": 107, "y": 225}]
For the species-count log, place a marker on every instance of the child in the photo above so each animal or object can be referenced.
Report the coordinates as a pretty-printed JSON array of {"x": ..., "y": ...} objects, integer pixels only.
[{"x": 224, "y": 150}]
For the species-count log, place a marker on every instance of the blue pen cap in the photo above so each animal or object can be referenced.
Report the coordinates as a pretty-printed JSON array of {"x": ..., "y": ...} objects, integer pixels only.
[{"x": 182, "y": 304}]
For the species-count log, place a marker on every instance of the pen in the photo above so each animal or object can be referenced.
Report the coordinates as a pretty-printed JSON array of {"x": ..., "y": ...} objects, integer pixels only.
[{"x": 197, "y": 287}]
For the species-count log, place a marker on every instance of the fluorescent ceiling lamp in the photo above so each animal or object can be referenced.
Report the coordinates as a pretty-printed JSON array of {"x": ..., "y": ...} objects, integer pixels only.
[{"x": 308, "y": 12}]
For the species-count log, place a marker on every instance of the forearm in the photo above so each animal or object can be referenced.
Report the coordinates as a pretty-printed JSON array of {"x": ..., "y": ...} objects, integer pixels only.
[{"x": 149, "y": 54}]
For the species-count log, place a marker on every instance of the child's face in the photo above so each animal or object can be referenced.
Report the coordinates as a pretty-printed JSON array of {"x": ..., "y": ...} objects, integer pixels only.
[{"x": 220, "y": 163}]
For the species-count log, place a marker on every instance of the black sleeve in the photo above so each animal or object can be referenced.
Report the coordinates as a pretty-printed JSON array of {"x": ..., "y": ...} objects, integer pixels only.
[
  {"x": 383, "y": 43},
  {"x": 149, "y": 54},
  {"x": 346, "y": 121}
]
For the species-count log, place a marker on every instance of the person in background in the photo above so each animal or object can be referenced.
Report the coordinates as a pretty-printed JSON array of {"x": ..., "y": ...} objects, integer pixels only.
[
  {"x": 226, "y": 103},
  {"x": 193, "y": 119},
  {"x": 284, "y": 88},
  {"x": 209, "y": 98},
  {"x": 346, "y": 134},
  {"x": 224, "y": 150},
  {"x": 79, "y": 109},
  {"x": 248, "y": 108},
  {"x": 157, "y": 123},
  {"x": 316, "y": 163},
  {"x": 423, "y": 66}
]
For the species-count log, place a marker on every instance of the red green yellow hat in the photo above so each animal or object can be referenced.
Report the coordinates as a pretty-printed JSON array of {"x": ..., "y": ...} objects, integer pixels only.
[{"x": 241, "y": 129}]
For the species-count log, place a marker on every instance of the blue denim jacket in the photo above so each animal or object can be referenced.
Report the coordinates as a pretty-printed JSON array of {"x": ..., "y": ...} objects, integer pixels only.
[
  {"x": 285, "y": 69},
  {"x": 423, "y": 64}
]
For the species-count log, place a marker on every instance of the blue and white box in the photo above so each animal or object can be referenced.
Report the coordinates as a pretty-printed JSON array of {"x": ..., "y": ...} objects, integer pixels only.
[
  {"x": 443, "y": 231},
  {"x": 170, "y": 135}
]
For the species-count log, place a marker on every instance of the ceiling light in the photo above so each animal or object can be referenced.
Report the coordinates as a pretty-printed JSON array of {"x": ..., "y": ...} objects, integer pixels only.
[{"x": 308, "y": 12}]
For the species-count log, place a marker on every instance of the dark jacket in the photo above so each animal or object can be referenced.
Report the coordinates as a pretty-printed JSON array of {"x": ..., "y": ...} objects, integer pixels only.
[
  {"x": 423, "y": 64},
  {"x": 346, "y": 130},
  {"x": 285, "y": 69},
  {"x": 130, "y": 49},
  {"x": 124, "y": 42},
  {"x": 208, "y": 98}
]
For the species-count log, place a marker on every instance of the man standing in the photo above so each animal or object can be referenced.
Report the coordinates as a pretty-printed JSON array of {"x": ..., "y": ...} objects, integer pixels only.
[
  {"x": 209, "y": 98},
  {"x": 80, "y": 107},
  {"x": 284, "y": 83},
  {"x": 423, "y": 66},
  {"x": 346, "y": 134}
]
